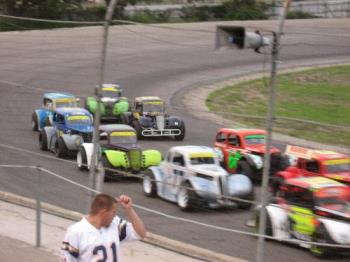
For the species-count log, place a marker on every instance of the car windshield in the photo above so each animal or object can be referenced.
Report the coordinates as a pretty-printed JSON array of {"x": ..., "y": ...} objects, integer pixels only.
[
  {"x": 334, "y": 198},
  {"x": 123, "y": 137},
  {"x": 67, "y": 102},
  {"x": 153, "y": 107},
  {"x": 202, "y": 158},
  {"x": 110, "y": 93},
  {"x": 254, "y": 139},
  {"x": 79, "y": 120},
  {"x": 337, "y": 165}
]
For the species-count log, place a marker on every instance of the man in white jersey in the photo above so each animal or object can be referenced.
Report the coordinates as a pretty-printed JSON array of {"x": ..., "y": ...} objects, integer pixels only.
[{"x": 97, "y": 236}]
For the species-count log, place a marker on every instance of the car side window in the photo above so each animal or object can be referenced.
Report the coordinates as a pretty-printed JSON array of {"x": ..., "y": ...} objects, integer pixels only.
[
  {"x": 312, "y": 166},
  {"x": 233, "y": 140},
  {"x": 178, "y": 159},
  {"x": 299, "y": 196},
  {"x": 220, "y": 137}
]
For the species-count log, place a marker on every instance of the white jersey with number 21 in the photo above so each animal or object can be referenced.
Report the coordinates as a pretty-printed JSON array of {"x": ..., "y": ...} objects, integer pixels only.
[{"x": 85, "y": 243}]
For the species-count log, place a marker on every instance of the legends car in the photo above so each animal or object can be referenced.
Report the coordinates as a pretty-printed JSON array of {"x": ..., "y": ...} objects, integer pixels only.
[
  {"x": 311, "y": 162},
  {"x": 242, "y": 151},
  {"x": 51, "y": 101},
  {"x": 149, "y": 119},
  {"x": 113, "y": 104},
  {"x": 70, "y": 128},
  {"x": 311, "y": 209},
  {"x": 191, "y": 176},
  {"x": 120, "y": 151}
]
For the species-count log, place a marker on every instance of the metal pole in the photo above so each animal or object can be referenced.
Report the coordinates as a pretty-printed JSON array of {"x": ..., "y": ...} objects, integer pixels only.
[
  {"x": 38, "y": 209},
  {"x": 93, "y": 172},
  {"x": 269, "y": 127}
]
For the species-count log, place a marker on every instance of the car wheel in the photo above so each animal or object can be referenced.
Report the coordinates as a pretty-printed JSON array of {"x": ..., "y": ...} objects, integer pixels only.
[
  {"x": 186, "y": 197},
  {"x": 268, "y": 228},
  {"x": 35, "y": 122},
  {"x": 321, "y": 236},
  {"x": 149, "y": 184},
  {"x": 60, "y": 148},
  {"x": 136, "y": 124},
  {"x": 245, "y": 169},
  {"x": 82, "y": 159},
  {"x": 182, "y": 134},
  {"x": 43, "y": 140},
  {"x": 108, "y": 173}
]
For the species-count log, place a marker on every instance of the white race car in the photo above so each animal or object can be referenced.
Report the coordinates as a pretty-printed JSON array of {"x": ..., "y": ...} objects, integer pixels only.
[
  {"x": 192, "y": 176},
  {"x": 311, "y": 209}
]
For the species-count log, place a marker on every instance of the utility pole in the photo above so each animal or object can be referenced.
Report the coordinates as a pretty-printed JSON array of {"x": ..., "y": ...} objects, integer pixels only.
[
  {"x": 269, "y": 127},
  {"x": 93, "y": 175}
]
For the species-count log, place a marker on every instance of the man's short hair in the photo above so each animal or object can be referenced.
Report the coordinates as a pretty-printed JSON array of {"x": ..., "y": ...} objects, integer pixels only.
[{"x": 101, "y": 201}]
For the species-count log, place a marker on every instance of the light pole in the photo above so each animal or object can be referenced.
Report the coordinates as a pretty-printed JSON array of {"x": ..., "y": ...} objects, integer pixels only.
[
  {"x": 93, "y": 172},
  {"x": 269, "y": 127}
]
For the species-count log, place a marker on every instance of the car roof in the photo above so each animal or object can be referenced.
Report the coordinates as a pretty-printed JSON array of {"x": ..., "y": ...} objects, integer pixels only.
[
  {"x": 54, "y": 96},
  {"x": 147, "y": 98},
  {"x": 115, "y": 127},
  {"x": 313, "y": 183},
  {"x": 308, "y": 153},
  {"x": 244, "y": 131},
  {"x": 72, "y": 111},
  {"x": 187, "y": 150}
]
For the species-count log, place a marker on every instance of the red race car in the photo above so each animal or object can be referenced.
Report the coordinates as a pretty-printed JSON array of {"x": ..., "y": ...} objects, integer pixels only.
[
  {"x": 242, "y": 151},
  {"x": 311, "y": 162}
]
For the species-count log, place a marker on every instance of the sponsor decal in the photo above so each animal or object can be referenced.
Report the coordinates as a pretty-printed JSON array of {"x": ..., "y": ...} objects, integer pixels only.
[
  {"x": 206, "y": 154},
  {"x": 77, "y": 117},
  {"x": 337, "y": 161},
  {"x": 123, "y": 133}
]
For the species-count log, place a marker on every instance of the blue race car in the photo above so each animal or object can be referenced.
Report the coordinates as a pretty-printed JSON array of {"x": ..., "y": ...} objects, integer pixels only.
[
  {"x": 71, "y": 127},
  {"x": 51, "y": 101}
]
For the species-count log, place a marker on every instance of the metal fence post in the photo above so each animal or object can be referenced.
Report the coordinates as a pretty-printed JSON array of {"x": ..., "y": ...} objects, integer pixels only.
[{"x": 38, "y": 209}]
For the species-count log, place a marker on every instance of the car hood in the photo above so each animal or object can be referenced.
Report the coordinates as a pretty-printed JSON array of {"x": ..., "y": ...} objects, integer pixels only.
[
  {"x": 210, "y": 170},
  {"x": 125, "y": 147},
  {"x": 261, "y": 149},
  {"x": 341, "y": 215},
  {"x": 341, "y": 176}
]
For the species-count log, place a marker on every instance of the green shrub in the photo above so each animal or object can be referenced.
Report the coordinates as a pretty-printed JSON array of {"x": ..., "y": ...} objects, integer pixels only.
[{"x": 299, "y": 15}]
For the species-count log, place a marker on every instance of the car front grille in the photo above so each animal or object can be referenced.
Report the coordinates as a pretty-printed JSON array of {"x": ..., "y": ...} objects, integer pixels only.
[
  {"x": 87, "y": 137},
  {"x": 222, "y": 185},
  {"x": 135, "y": 159}
]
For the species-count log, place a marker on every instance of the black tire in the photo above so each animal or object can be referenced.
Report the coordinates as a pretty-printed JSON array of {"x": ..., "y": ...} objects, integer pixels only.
[
  {"x": 43, "y": 140},
  {"x": 321, "y": 235},
  {"x": 149, "y": 185},
  {"x": 189, "y": 204},
  {"x": 250, "y": 197},
  {"x": 108, "y": 174},
  {"x": 60, "y": 148},
  {"x": 268, "y": 228},
  {"x": 82, "y": 162},
  {"x": 136, "y": 124},
  {"x": 246, "y": 169},
  {"x": 35, "y": 122},
  {"x": 183, "y": 132}
]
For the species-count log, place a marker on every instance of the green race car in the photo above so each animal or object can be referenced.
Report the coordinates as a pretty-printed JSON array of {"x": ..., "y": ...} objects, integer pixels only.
[
  {"x": 119, "y": 152},
  {"x": 113, "y": 105}
]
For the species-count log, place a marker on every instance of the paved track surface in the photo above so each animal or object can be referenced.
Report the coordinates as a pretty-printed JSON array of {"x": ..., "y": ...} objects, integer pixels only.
[{"x": 144, "y": 61}]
